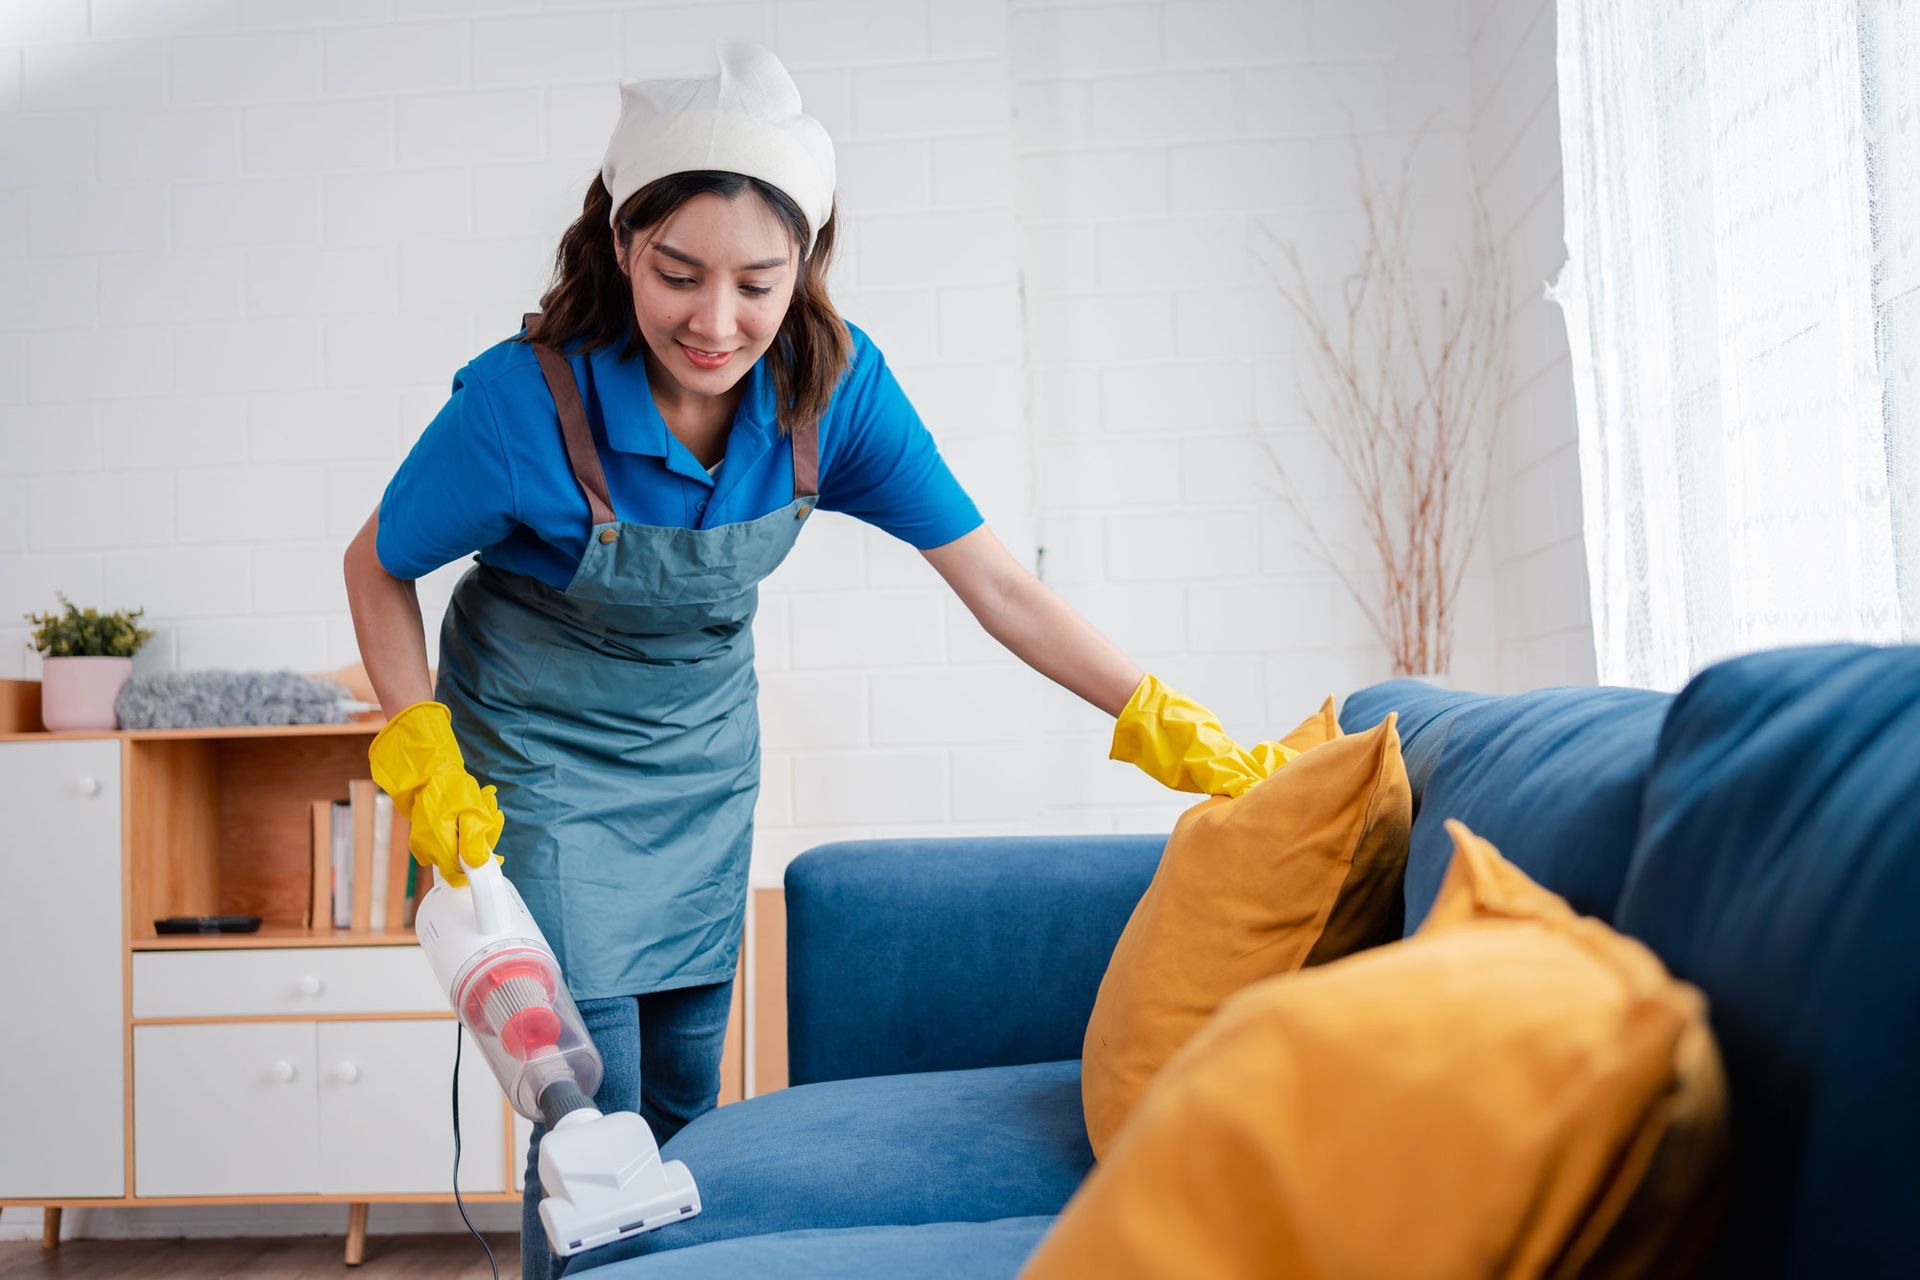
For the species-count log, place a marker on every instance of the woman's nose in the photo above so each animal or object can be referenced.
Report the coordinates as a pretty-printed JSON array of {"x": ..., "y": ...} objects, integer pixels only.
[{"x": 712, "y": 314}]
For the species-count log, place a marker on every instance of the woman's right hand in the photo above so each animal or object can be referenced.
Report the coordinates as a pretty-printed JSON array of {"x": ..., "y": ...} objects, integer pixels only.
[{"x": 456, "y": 821}]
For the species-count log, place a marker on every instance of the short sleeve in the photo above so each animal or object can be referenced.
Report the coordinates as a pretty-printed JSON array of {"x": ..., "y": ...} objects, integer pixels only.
[
  {"x": 879, "y": 462},
  {"x": 454, "y": 493}
]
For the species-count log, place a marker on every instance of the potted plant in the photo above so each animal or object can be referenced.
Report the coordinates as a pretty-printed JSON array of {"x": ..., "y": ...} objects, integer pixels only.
[{"x": 86, "y": 656}]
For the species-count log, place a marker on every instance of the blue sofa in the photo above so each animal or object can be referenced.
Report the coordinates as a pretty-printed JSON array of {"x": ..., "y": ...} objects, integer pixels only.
[{"x": 1760, "y": 831}]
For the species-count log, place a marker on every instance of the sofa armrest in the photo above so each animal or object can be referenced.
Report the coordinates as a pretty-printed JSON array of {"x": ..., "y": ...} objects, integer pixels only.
[{"x": 946, "y": 954}]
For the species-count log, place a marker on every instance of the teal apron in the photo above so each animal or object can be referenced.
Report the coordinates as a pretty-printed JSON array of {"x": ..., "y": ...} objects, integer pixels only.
[{"x": 618, "y": 719}]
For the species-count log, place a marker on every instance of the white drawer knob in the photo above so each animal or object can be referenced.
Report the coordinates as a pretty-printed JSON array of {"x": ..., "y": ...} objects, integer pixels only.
[
  {"x": 87, "y": 786},
  {"x": 311, "y": 985},
  {"x": 349, "y": 1073},
  {"x": 285, "y": 1072}
]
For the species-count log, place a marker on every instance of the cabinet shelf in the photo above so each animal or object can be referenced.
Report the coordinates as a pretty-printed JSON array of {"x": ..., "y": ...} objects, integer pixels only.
[
  {"x": 220, "y": 823},
  {"x": 272, "y": 936},
  {"x": 364, "y": 727}
]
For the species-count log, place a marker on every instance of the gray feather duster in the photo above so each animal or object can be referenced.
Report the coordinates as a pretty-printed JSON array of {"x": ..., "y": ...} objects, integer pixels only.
[{"x": 202, "y": 699}]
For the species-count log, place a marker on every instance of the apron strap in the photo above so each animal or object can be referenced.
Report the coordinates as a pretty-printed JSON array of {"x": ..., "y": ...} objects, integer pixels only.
[
  {"x": 806, "y": 460},
  {"x": 585, "y": 458},
  {"x": 573, "y": 427}
]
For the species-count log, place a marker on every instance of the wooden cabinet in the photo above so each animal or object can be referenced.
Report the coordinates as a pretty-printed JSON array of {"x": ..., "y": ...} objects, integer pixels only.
[
  {"x": 292, "y": 1064},
  {"x": 62, "y": 1068}
]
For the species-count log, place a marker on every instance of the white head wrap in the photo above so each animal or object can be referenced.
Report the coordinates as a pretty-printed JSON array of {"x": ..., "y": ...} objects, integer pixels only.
[{"x": 747, "y": 120}]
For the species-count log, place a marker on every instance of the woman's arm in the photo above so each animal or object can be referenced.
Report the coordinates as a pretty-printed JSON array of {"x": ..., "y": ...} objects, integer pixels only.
[
  {"x": 386, "y": 621},
  {"x": 1037, "y": 626}
]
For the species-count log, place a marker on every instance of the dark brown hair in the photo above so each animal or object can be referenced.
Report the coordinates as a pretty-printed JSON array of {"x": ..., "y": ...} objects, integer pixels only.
[{"x": 590, "y": 302}]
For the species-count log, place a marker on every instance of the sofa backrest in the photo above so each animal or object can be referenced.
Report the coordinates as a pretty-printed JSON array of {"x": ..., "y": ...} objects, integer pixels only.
[
  {"x": 1778, "y": 869},
  {"x": 1553, "y": 778},
  {"x": 1761, "y": 832},
  {"x": 948, "y": 954}
]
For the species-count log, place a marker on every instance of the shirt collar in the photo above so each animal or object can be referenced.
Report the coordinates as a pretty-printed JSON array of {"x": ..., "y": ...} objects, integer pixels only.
[{"x": 633, "y": 422}]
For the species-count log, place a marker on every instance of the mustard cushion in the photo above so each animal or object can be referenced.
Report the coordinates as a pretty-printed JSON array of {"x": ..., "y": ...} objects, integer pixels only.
[
  {"x": 1318, "y": 729},
  {"x": 1513, "y": 1091},
  {"x": 1303, "y": 868}
]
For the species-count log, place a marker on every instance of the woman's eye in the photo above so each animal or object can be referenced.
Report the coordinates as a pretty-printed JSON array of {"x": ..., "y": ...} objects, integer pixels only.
[{"x": 688, "y": 282}]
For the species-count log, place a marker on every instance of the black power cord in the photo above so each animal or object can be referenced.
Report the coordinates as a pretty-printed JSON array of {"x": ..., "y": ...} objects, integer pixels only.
[{"x": 458, "y": 1039}]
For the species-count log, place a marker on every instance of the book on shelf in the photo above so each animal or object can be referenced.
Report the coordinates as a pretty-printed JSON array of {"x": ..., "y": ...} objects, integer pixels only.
[
  {"x": 361, "y": 792},
  {"x": 340, "y": 853},
  {"x": 362, "y": 872},
  {"x": 397, "y": 828},
  {"x": 320, "y": 910},
  {"x": 382, "y": 842},
  {"x": 418, "y": 882}
]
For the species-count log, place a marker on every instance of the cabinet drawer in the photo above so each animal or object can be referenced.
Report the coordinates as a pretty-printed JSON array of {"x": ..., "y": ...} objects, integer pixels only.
[
  {"x": 224, "y": 1110},
  {"x": 296, "y": 980},
  {"x": 386, "y": 1122}
]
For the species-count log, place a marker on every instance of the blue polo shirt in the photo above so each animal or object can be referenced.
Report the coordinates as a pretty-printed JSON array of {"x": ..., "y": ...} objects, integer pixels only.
[{"x": 490, "y": 472}]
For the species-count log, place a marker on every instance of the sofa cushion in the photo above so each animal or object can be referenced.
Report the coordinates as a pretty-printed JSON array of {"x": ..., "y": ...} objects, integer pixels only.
[
  {"x": 937, "y": 1146},
  {"x": 1303, "y": 868},
  {"x": 1494, "y": 1096},
  {"x": 933, "y": 1251},
  {"x": 1553, "y": 778},
  {"x": 1779, "y": 870}
]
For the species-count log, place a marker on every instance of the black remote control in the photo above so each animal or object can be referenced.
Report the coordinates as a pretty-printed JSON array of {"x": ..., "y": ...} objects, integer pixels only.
[{"x": 207, "y": 924}]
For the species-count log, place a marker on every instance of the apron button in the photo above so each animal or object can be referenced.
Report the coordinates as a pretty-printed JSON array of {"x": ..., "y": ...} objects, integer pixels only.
[{"x": 609, "y": 535}]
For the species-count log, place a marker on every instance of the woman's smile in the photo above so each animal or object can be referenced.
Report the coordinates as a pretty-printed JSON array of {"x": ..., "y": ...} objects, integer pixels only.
[{"x": 705, "y": 359}]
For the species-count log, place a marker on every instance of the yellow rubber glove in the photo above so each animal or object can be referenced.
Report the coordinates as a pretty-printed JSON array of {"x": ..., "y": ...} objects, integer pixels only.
[
  {"x": 455, "y": 820},
  {"x": 1180, "y": 744}
]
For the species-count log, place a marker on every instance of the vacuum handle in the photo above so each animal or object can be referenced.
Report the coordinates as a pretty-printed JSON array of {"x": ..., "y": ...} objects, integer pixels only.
[
  {"x": 489, "y": 886},
  {"x": 487, "y": 890}
]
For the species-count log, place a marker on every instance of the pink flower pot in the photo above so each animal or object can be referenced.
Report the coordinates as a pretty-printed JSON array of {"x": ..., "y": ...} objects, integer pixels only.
[{"x": 77, "y": 693}]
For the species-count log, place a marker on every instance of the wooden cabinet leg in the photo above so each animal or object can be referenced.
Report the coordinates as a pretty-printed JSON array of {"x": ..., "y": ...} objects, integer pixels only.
[
  {"x": 50, "y": 1227},
  {"x": 356, "y": 1234}
]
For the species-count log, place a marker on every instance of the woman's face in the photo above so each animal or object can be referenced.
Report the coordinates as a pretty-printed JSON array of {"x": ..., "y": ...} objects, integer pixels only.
[{"x": 711, "y": 285}]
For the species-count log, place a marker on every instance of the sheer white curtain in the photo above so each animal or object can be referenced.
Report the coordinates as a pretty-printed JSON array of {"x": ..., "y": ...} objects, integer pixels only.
[{"x": 1742, "y": 297}]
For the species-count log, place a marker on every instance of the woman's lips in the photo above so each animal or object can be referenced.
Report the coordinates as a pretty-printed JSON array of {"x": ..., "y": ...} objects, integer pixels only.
[{"x": 706, "y": 359}]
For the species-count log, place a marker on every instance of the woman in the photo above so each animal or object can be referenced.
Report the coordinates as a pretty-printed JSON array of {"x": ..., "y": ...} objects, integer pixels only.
[{"x": 629, "y": 467}]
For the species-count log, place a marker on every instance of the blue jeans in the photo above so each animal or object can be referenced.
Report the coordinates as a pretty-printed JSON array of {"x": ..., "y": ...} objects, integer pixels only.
[{"x": 661, "y": 1052}]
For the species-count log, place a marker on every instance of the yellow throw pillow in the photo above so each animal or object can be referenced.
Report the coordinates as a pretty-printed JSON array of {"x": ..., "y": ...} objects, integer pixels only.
[
  {"x": 1514, "y": 1091},
  {"x": 1318, "y": 729},
  {"x": 1305, "y": 867}
]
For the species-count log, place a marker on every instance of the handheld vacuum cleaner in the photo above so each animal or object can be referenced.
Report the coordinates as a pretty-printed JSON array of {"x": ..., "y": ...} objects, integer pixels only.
[{"x": 601, "y": 1174}]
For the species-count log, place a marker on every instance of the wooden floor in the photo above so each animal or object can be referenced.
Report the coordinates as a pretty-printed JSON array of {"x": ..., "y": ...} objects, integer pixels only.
[{"x": 435, "y": 1257}]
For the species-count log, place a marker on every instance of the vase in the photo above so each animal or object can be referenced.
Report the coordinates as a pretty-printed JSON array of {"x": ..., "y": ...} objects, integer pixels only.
[{"x": 77, "y": 694}]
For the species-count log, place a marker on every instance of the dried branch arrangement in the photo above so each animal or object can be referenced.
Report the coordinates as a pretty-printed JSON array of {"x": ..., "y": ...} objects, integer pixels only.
[{"x": 1412, "y": 383}]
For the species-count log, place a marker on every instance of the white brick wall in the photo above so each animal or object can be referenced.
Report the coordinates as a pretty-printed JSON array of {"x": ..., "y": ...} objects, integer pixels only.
[
  {"x": 244, "y": 245},
  {"x": 1544, "y": 624},
  {"x": 1156, "y": 141}
]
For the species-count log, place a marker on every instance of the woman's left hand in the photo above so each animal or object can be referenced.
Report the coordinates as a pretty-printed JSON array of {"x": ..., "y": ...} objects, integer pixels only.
[{"x": 1179, "y": 743}]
